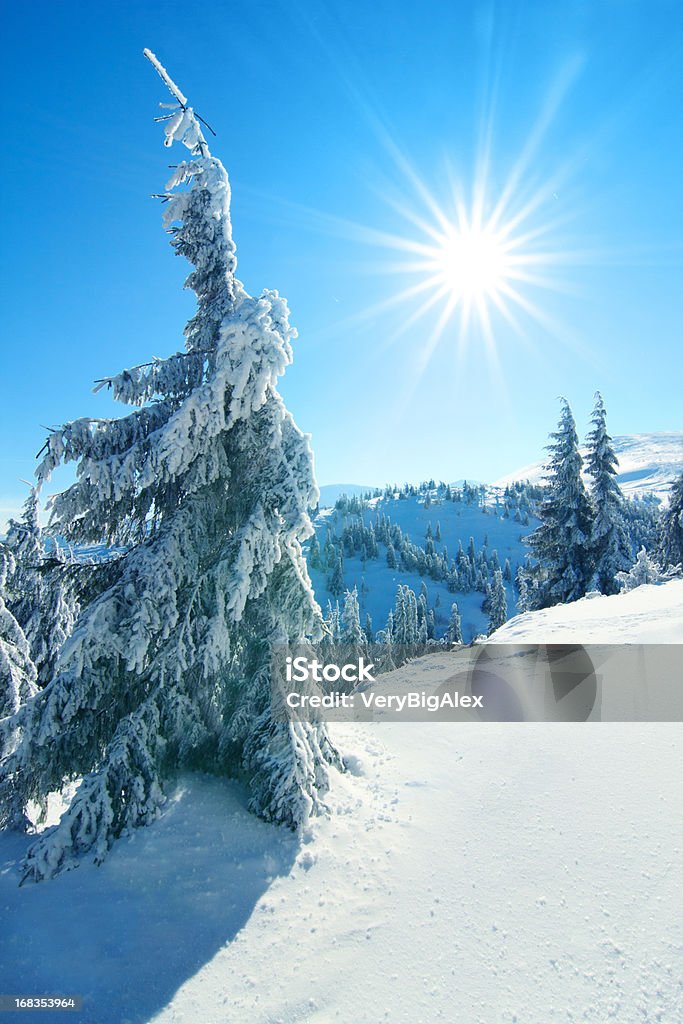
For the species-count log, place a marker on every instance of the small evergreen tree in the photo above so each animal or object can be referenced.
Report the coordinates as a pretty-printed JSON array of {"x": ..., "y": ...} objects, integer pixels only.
[
  {"x": 498, "y": 609},
  {"x": 367, "y": 628},
  {"x": 645, "y": 570},
  {"x": 454, "y": 631},
  {"x": 522, "y": 590},
  {"x": 335, "y": 583},
  {"x": 315, "y": 554},
  {"x": 562, "y": 542},
  {"x": 41, "y": 590},
  {"x": 17, "y": 671},
  {"x": 610, "y": 548},
  {"x": 671, "y": 526},
  {"x": 351, "y": 631},
  {"x": 333, "y": 623},
  {"x": 208, "y": 485}
]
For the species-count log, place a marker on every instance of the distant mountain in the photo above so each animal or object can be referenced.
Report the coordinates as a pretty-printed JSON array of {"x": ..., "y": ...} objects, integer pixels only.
[
  {"x": 329, "y": 493},
  {"x": 647, "y": 463}
]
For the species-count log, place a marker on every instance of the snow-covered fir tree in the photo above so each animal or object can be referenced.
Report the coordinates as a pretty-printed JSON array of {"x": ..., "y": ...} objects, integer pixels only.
[
  {"x": 207, "y": 484},
  {"x": 562, "y": 542},
  {"x": 671, "y": 526},
  {"x": 332, "y": 624},
  {"x": 335, "y": 582},
  {"x": 454, "y": 631},
  {"x": 610, "y": 547},
  {"x": 367, "y": 628},
  {"x": 405, "y": 624},
  {"x": 315, "y": 554},
  {"x": 41, "y": 589},
  {"x": 17, "y": 671},
  {"x": 645, "y": 570},
  {"x": 522, "y": 590},
  {"x": 351, "y": 630},
  {"x": 498, "y": 608}
]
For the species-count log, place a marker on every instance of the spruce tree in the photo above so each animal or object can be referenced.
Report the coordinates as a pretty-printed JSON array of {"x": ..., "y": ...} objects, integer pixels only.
[
  {"x": 207, "y": 484},
  {"x": 562, "y": 542},
  {"x": 367, "y": 629},
  {"x": 645, "y": 570},
  {"x": 454, "y": 631},
  {"x": 41, "y": 590},
  {"x": 671, "y": 526},
  {"x": 314, "y": 553},
  {"x": 335, "y": 583},
  {"x": 610, "y": 548},
  {"x": 351, "y": 630},
  {"x": 498, "y": 609},
  {"x": 17, "y": 671}
]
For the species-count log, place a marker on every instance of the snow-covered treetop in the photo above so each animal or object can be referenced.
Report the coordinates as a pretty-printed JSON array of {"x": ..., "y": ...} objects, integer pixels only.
[{"x": 236, "y": 347}]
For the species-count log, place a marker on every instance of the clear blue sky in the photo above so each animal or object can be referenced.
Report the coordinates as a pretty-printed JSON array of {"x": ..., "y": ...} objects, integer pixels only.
[{"x": 332, "y": 116}]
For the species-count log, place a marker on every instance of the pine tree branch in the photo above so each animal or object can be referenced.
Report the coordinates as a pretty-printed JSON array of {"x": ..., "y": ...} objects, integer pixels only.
[{"x": 166, "y": 78}]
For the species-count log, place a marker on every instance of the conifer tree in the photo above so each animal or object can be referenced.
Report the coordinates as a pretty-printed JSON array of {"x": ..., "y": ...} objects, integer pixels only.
[
  {"x": 645, "y": 570},
  {"x": 335, "y": 583},
  {"x": 332, "y": 623},
  {"x": 498, "y": 609},
  {"x": 454, "y": 631},
  {"x": 610, "y": 548},
  {"x": 17, "y": 671},
  {"x": 671, "y": 526},
  {"x": 522, "y": 590},
  {"x": 314, "y": 553},
  {"x": 367, "y": 629},
  {"x": 351, "y": 631},
  {"x": 207, "y": 483},
  {"x": 41, "y": 590},
  {"x": 562, "y": 542}
]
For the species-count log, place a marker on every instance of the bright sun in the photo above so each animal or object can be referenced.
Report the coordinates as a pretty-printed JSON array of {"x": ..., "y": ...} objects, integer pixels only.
[{"x": 471, "y": 263}]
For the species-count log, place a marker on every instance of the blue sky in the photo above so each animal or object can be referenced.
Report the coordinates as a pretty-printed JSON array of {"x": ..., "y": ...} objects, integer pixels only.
[{"x": 345, "y": 125}]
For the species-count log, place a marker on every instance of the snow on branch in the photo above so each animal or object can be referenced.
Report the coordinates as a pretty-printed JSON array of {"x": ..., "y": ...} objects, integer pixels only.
[
  {"x": 181, "y": 125},
  {"x": 165, "y": 77}
]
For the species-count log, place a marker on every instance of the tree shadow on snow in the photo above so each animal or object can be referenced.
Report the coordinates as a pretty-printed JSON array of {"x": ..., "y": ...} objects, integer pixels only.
[{"x": 128, "y": 934}]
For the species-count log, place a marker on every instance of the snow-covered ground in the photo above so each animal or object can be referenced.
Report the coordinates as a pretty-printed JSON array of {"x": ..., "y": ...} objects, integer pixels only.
[
  {"x": 646, "y": 615},
  {"x": 484, "y": 874},
  {"x": 648, "y": 463}
]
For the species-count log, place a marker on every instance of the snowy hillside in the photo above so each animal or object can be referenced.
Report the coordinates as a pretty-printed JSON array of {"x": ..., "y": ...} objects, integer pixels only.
[
  {"x": 646, "y": 615},
  {"x": 479, "y": 515},
  {"x": 647, "y": 463},
  {"x": 500, "y": 873}
]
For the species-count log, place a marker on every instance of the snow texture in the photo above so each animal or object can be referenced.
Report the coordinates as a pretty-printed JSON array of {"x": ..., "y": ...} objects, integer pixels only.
[{"x": 507, "y": 873}]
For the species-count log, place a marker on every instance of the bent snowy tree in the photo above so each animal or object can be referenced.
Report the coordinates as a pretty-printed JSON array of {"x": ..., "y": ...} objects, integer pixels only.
[{"x": 207, "y": 484}]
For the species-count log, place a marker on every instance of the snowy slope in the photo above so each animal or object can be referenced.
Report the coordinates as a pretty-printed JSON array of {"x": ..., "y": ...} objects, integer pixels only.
[
  {"x": 647, "y": 463},
  {"x": 484, "y": 874},
  {"x": 648, "y": 614},
  {"x": 377, "y": 583}
]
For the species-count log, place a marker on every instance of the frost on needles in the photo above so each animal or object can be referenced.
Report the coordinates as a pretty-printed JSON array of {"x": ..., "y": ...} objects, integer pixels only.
[{"x": 207, "y": 484}]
